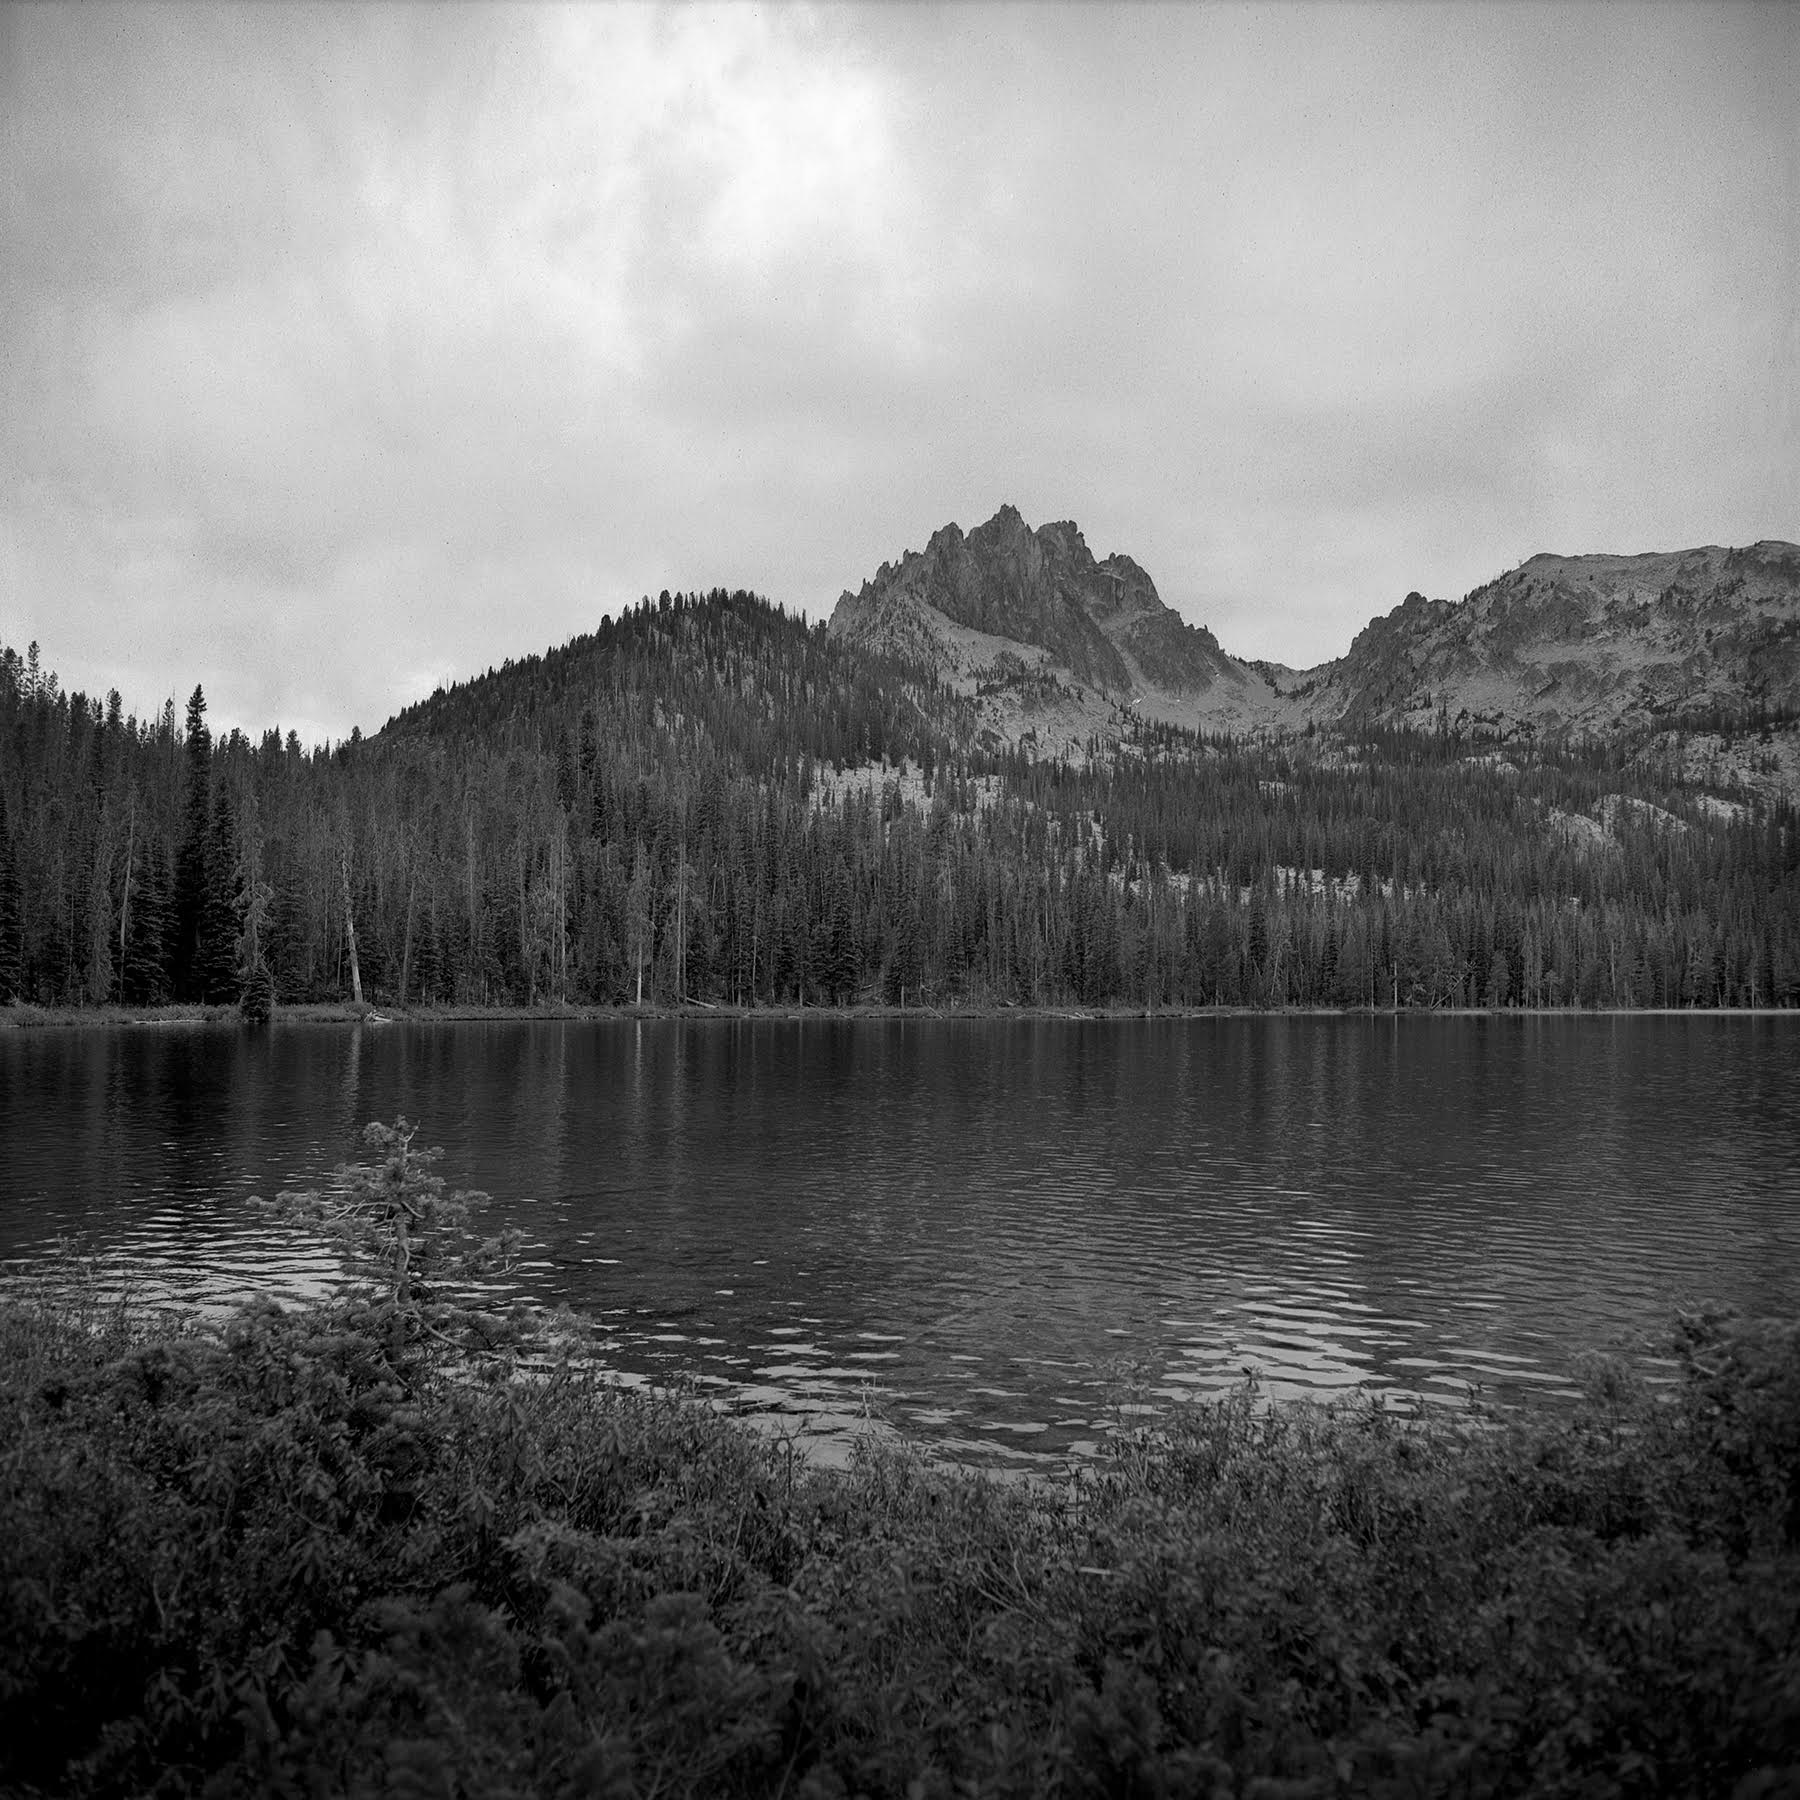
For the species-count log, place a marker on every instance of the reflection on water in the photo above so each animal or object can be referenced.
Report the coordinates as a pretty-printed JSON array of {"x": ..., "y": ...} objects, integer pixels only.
[{"x": 987, "y": 1233}]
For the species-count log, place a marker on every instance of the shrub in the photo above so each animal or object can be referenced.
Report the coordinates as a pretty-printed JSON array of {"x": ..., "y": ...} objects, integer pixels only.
[
  {"x": 308, "y": 1554},
  {"x": 421, "y": 1264}
]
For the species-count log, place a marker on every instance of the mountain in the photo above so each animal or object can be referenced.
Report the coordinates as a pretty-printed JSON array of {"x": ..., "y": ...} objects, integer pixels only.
[
  {"x": 709, "y": 800},
  {"x": 1582, "y": 643},
  {"x": 1057, "y": 646}
]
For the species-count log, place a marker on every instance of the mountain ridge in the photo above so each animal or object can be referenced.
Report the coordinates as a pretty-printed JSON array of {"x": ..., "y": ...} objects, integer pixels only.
[
  {"x": 1045, "y": 634},
  {"x": 711, "y": 799},
  {"x": 1593, "y": 642}
]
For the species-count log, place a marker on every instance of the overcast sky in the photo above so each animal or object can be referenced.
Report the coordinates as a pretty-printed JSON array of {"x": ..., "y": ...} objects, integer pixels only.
[{"x": 346, "y": 349}]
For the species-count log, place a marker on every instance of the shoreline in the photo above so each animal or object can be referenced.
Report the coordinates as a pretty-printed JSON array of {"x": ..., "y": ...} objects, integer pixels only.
[{"x": 24, "y": 1016}]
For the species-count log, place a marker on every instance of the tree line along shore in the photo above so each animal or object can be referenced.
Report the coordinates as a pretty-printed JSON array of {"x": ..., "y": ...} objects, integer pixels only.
[
  {"x": 404, "y": 1543},
  {"x": 22, "y": 1017},
  {"x": 707, "y": 800}
]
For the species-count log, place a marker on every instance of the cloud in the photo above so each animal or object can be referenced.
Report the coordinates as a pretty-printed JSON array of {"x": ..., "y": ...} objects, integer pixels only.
[
  {"x": 346, "y": 346},
  {"x": 416, "y": 339}
]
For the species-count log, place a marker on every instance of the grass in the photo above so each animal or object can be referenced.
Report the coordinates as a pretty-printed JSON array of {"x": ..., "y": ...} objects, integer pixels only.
[
  {"x": 24, "y": 1015},
  {"x": 323, "y": 1552}
]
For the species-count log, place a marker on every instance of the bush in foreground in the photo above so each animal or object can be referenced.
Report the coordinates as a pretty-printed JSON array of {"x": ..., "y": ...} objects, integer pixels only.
[{"x": 313, "y": 1555}]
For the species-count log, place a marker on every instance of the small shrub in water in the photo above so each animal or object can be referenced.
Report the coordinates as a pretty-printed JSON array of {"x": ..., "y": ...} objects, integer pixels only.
[{"x": 412, "y": 1240}]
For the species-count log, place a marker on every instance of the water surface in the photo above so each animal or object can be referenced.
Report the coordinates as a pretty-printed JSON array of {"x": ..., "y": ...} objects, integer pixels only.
[{"x": 992, "y": 1234}]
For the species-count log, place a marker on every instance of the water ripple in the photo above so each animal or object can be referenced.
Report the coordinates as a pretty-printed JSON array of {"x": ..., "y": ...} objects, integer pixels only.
[{"x": 1008, "y": 1237}]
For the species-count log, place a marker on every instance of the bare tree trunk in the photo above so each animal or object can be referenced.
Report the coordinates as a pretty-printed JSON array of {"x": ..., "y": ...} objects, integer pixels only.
[
  {"x": 350, "y": 929},
  {"x": 412, "y": 889},
  {"x": 125, "y": 897},
  {"x": 474, "y": 959},
  {"x": 527, "y": 950}
]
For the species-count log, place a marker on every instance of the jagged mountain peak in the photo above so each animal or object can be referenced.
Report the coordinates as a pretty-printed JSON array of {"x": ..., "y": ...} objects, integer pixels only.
[
  {"x": 1031, "y": 621},
  {"x": 1030, "y": 617}
]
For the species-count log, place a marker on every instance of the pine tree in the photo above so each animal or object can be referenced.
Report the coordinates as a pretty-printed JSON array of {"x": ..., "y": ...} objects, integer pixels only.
[
  {"x": 836, "y": 961},
  {"x": 144, "y": 971},
  {"x": 12, "y": 930},
  {"x": 216, "y": 972},
  {"x": 697, "y": 734},
  {"x": 191, "y": 871}
]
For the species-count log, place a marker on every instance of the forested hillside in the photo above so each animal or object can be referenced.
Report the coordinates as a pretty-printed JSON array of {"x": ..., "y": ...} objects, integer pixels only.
[{"x": 710, "y": 800}]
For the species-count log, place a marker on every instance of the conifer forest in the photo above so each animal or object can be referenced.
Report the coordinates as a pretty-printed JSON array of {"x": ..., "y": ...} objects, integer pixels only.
[{"x": 710, "y": 801}]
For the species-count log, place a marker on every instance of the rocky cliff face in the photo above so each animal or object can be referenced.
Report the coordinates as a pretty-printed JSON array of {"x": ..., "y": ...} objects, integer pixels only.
[
  {"x": 1059, "y": 643},
  {"x": 1025, "y": 617}
]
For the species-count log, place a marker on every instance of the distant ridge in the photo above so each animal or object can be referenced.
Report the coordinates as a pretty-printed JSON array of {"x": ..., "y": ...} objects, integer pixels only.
[
  {"x": 1589, "y": 643},
  {"x": 1051, "y": 639}
]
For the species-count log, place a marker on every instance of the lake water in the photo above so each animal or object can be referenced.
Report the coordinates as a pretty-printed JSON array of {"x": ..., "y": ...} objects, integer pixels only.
[{"x": 1000, "y": 1236}]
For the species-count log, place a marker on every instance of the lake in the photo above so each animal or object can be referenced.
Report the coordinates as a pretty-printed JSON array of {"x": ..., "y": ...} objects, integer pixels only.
[{"x": 1004, "y": 1237}]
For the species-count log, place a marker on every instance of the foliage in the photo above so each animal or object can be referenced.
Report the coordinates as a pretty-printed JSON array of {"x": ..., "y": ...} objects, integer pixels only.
[
  {"x": 708, "y": 798},
  {"x": 412, "y": 1241},
  {"x": 256, "y": 1005},
  {"x": 309, "y": 1554}
]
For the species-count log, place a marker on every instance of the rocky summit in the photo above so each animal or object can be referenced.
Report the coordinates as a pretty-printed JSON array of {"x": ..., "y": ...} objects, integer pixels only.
[
  {"x": 1054, "y": 640},
  {"x": 1057, "y": 645}
]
